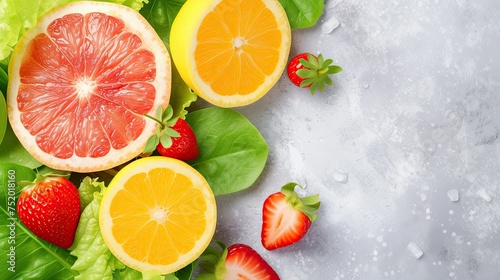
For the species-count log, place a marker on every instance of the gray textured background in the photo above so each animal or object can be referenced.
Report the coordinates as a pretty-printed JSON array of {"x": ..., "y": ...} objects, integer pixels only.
[{"x": 414, "y": 114}]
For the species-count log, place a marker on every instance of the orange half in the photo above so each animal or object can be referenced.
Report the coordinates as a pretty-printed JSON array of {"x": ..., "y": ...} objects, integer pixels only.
[
  {"x": 158, "y": 213},
  {"x": 231, "y": 52}
]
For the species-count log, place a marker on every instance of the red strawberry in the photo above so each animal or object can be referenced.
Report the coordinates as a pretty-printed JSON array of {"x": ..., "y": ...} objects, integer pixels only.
[
  {"x": 237, "y": 262},
  {"x": 286, "y": 217},
  {"x": 308, "y": 71},
  {"x": 174, "y": 137},
  {"x": 50, "y": 208},
  {"x": 183, "y": 147}
]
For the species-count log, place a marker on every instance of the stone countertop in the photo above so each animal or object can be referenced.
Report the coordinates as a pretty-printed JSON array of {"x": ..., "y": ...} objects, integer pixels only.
[{"x": 402, "y": 150}]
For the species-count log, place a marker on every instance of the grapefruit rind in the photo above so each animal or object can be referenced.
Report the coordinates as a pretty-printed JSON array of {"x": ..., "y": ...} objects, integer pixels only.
[
  {"x": 145, "y": 165},
  {"x": 162, "y": 83},
  {"x": 183, "y": 38}
]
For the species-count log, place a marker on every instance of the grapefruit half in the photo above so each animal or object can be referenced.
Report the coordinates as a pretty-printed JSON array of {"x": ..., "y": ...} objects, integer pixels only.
[{"x": 80, "y": 83}]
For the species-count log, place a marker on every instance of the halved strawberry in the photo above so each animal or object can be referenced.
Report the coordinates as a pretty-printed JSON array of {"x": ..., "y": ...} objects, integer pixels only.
[
  {"x": 237, "y": 262},
  {"x": 50, "y": 208},
  {"x": 286, "y": 217}
]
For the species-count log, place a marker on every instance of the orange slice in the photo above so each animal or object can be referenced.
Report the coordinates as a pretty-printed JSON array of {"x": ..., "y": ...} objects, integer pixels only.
[
  {"x": 80, "y": 82},
  {"x": 230, "y": 52},
  {"x": 158, "y": 213}
]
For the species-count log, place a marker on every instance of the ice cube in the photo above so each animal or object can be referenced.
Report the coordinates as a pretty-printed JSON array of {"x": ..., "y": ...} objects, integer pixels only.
[
  {"x": 453, "y": 195},
  {"x": 415, "y": 250},
  {"x": 340, "y": 177},
  {"x": 484, "y": 195},
  {"x": 329, "y": 25}
]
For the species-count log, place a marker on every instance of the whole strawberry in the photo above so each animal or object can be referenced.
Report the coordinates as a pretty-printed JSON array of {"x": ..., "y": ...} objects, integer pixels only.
[
  {"x": 183, "y": 147},
  {"x": 174, "y": 137},
  {"x": 50, "y": 208},
  {"x": 309, "y": 71},
  {"x": 236, "y": 262},
  {"x": 286, "y": 217}
]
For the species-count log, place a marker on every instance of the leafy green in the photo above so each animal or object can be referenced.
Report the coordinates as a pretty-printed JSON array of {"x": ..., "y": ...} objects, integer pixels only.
[
  {"x": 160, "y": 14},
  {"x": 17, "y": 16},
  {"x": 11, "y": 150},
  {"x": 127, "y": 273},
  {"x": 3, "y": 117},
  {"x": 88, "y": 189},
  {"x": 186, "y": 272},
  {"x": 4, "y": 79},
  {"x": 94, "y": 260},
  {"x": 182, "y": 96},
  {"x": 302, "y": 13},
  {"x": 232, "y": 154},
  {"x": 34, "y": 258}
]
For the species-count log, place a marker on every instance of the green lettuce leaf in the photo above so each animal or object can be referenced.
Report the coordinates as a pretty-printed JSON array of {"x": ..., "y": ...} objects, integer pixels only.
[
  {"x": 88, "y": 188},
  {"x": 17, "y": 16},
  {"x": 3, "y": 117},
  {"x": 226, "y": 137},
  {"x": 94, "y": 260},
  {"x": 181, "y": 96},
  {"x": 31, "y": 257}
]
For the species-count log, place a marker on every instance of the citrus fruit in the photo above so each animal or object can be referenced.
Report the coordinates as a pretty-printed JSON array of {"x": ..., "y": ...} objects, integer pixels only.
[
  {"x": 80, "y": 83},
  {"x": 230, "y": 52},
  {"x": 158, "y": 213}
]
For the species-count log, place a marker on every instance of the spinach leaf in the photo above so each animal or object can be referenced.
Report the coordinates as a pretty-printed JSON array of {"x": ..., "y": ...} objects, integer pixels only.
[
  {"x": 302, "y": 13},
  {"x": 11, "y": 150},
  {"x": 33, "y": 258},
  {"x": 3, "y": 117},
  {"x": 232, "y": 151},
  {"x": 160, "y": 14}
]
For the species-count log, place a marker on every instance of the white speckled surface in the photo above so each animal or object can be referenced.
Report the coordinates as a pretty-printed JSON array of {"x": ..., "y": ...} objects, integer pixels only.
[{"x": 414, "y": 114}]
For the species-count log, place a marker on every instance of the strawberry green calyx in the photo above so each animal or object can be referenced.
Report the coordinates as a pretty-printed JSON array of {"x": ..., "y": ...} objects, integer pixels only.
[
  {"x": 307, "y": 205},
  {"x": 164, "y": 132},
  {"x": 41, "y": 178},
  {"x": 316, "y": 72}
]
